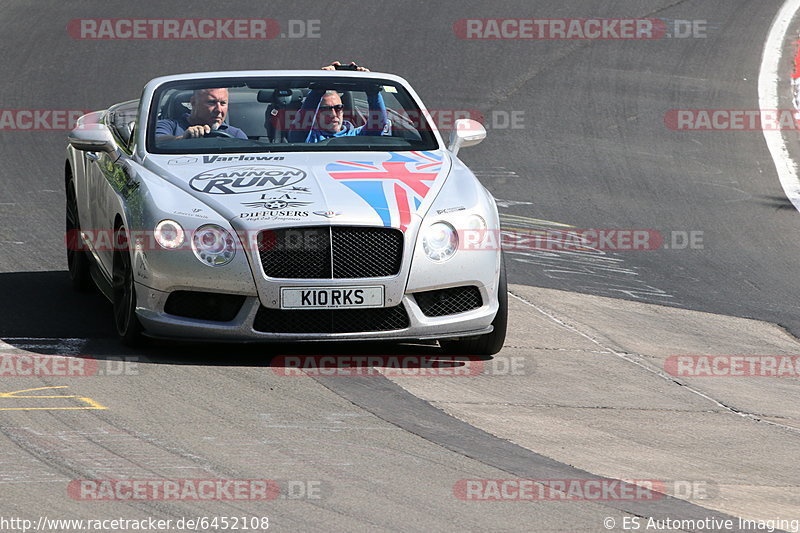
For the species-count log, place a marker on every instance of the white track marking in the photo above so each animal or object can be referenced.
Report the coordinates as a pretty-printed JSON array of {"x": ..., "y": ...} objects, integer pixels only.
[
  {"x": 768, "y": 85},
  {"x": 42, "y": 345},
  {"x": 645, "y": 365}
]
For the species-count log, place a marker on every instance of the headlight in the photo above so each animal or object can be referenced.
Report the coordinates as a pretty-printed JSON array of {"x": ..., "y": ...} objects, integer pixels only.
[
  {"x": 440, "y": 241},
  {"x": 213, "y": 245},
  {"x": 169, "y": 234}
]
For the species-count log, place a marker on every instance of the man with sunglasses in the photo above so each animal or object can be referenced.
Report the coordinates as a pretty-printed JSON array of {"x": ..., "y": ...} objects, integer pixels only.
[{"x": 327, "y": 111}]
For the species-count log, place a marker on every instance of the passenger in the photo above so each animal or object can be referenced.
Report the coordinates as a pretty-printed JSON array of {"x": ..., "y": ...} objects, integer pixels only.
[{"x": 328, "y": 121}]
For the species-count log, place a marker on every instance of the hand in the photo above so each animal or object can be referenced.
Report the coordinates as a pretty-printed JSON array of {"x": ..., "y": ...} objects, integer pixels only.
[
  {"x": 373, "y": 88},
  {"x": 193, "y": 132},
  {"x": 335, "y": 64}
]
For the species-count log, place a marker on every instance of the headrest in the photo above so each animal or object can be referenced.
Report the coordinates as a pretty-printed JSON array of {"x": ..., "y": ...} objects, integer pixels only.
[{"x": 266, "y": 96}]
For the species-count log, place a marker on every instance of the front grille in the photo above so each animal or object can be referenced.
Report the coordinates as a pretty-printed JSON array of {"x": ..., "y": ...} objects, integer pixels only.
[
  {"x": 444, "y": 302},
  {"x": 330, "y": 252},
  {"x": 296, "y": 253},
  {"x": 330, "y": 320},
  {"x": 204, "y": 305}
]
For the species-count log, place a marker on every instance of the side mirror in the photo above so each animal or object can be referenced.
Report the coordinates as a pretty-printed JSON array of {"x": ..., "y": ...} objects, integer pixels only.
[
  {"x": 92, "y": 137},
  {"x": 467, "y": 132}
]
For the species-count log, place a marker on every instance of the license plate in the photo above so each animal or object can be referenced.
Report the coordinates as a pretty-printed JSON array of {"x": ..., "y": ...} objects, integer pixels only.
[{"x": 331, "y": 297}]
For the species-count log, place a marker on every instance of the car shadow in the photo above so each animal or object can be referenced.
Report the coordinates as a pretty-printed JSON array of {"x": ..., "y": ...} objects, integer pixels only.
[
  {"x": 776, "y": 202},
  {"x": 42, "y": 307}
]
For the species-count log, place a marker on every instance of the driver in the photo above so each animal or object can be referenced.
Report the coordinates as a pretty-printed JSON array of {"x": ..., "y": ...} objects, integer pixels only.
[{"x": 209, "y": 107}]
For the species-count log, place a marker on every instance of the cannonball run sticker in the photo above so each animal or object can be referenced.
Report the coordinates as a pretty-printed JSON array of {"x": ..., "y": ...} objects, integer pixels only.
[{"x": 246, "y": 179}]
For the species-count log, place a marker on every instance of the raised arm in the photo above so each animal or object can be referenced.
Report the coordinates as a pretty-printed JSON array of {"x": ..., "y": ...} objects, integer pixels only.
[
  {"x": 377, "y": 117},
  {"x": 302, "y": 122}
]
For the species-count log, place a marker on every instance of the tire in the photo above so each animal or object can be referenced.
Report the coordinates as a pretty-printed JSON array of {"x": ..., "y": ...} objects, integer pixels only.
[
  {"x": 128, "y": 326},
  {"x": 77, "y": 257},
  {"x": 491, "y": 343}
]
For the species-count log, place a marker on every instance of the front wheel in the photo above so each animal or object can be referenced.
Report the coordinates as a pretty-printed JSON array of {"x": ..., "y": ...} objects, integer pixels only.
[
  {"x": 128, "y": 326},
  {"x": 491, "y": 343},
  {"x": 77, "y": 258}
]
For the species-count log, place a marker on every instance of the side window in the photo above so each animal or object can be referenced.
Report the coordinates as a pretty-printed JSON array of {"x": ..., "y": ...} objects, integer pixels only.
[
  {"x": 129, "y": 144},
  {"x": 361, "y": 110},
  {"x": 122, "y": 120},
  {"x": 404, "y": 123}
]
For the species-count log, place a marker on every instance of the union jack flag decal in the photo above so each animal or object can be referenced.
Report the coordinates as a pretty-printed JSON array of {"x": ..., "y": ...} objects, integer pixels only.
[{"x": 394, "y": 188}]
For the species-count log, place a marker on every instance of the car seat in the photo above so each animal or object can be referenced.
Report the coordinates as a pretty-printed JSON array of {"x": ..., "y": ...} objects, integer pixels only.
[{"x": 283, "y": 106}]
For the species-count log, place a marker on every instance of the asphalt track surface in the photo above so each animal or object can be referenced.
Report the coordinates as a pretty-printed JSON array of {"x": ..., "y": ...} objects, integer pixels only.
[{"x": 594, "y": 152}]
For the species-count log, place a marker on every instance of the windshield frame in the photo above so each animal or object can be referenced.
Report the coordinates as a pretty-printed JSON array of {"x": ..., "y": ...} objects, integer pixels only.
[{"x": 431, "y": 139}]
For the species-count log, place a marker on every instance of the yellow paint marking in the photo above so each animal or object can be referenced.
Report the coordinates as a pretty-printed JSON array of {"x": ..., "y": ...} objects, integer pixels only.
[
  {"x": 94, "y": 404},
  {"x": 16, "y": 394}
]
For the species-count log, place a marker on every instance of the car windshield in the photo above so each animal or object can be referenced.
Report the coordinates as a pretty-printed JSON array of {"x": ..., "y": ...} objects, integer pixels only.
[{"x": 284, "y": 115}]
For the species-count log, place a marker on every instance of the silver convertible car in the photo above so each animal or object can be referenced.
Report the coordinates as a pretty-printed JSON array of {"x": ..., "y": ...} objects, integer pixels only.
[{"x": 284, "y": 206}]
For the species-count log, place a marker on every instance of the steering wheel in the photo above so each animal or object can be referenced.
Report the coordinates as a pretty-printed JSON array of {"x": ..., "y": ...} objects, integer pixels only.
[{"x": 218, "y": 133}]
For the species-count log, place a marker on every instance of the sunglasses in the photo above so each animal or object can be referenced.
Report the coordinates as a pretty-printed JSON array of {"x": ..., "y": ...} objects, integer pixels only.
[{"x": 337, "y": 107}]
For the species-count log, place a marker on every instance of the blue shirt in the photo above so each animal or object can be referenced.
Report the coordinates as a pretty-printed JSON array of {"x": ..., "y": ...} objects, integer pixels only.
[
  {"x": 376, "y": 121},
  {"x": 177, "y": 128}
]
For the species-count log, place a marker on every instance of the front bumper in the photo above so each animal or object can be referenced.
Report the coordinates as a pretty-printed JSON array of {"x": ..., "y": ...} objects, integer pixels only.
[{"x": 159, "y": 324}]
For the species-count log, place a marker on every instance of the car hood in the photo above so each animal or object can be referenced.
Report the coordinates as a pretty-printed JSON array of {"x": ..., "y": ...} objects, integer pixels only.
[{"x": 253, "y": 191}]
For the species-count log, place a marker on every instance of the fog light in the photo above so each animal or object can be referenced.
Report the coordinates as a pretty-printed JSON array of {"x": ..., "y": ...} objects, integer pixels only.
[{"x": 169, "y": 234}]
